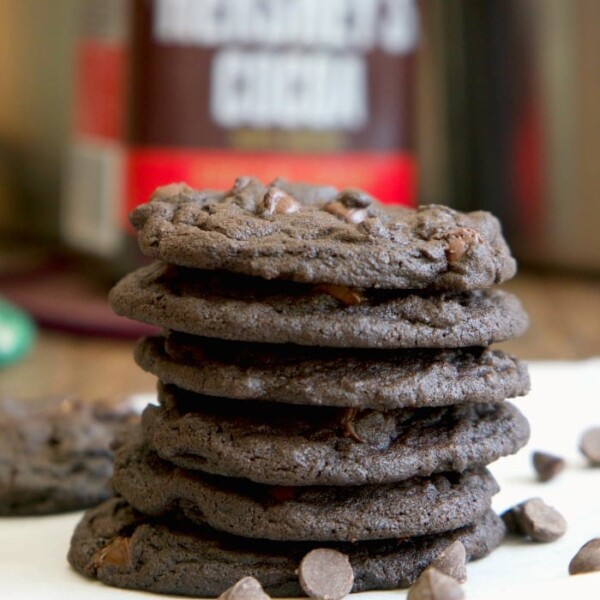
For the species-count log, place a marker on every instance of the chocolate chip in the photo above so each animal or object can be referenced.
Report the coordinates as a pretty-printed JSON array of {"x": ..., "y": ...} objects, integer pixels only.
[
  {"x": 276, "y": 201},
  {"x": 247, "y": 588},
  {"x": 344, "y": 294},
  {"x": 459, "y": 242},
  {"x": 170, "y": 191},
  {"x": 282, "y": 493},
  {"x": 587, "y": 560},
  {"x": 326, "y": 574},
  {"x": 434, "y": 585},
  {"x": 535, "y": 519},
  {"x": 350, "y": 215},
  {"x": 452, "y": 561},
  {"x": 116, "y": 553},
  {"x": 547, "y": 466},
  {"x": 348, "y": 425},
  {"x": 590, "y": 445},
  {"x": 353, "y": 198}
]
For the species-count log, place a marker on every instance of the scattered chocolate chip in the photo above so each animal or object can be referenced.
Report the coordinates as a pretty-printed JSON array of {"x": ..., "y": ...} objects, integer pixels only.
[
  {"x": 350, "y": 215},
  {"x": 535, "y": 519},
  {"x": 459, "y": 242},
  {"x": 115, "y": 553},
  {"x": 434, "y": 585},
  {"x": 169, "y": 191},
  {"x": 239, "y": 184},
  {"x": 344, "y": 294},
  {"x": 590, "y": 445},
  {"x": 353, "y": 198},
  {"x": 247, "y": 588},
  {"x": 547, "y": 466},
  {"x": 452, "y": 561},
  {"x": 348, "y": 425},
  {"x": 276, "y": 201},
  {"x": 281, "y": 493},
  {"x": 326, "y": 574},
  {"x": 587, "y": 560}
]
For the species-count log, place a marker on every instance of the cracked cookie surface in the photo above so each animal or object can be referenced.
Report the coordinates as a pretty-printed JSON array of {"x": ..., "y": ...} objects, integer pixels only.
[
  {"x": 313, "y": 234},
  {"x": 237, "y": 307}
]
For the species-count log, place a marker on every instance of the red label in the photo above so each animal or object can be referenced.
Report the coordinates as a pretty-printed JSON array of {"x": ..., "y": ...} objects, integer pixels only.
[
  {"x": 100, "y": 88},
  {"x": 388, "y": 176}
]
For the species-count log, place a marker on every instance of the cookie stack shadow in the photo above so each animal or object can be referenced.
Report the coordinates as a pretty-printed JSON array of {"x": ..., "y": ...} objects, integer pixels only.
[{"x": 325, "y": 380}]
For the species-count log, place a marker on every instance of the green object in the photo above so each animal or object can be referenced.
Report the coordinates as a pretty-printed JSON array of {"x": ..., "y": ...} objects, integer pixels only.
[{"x": 17, "y": 333}]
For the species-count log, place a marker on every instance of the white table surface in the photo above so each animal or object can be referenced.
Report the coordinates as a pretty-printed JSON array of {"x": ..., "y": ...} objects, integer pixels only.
[{"x": 565, "y": 400}]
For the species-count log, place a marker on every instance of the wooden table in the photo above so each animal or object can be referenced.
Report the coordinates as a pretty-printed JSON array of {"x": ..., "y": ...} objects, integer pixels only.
[{"x": 565, "y": 324}]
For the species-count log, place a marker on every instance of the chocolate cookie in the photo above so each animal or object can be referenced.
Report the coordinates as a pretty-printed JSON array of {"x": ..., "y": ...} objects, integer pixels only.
[
  {"x": 121, "y": 547},
  {"x": 407, "y": 509},
  {"x": 279, "y": 444},
  {"x": 380, "y": 379},
  {"x": 316, "y": 235},
  {"x": 237, "y": 307},
  {"x": 55, "y": 455}
]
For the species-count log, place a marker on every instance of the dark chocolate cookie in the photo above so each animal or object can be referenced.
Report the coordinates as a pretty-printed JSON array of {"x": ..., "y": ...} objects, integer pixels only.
[
  {"x": 55, "y": 455},
  {"x": 316, "y": 235},
  {"x": 237, "y": 307},
  {"x": 121, "y": 547},
  {"x": 407, "y": 509},
  {"x": 380, "y": 379},
  {"x": 279, "y": 444}
]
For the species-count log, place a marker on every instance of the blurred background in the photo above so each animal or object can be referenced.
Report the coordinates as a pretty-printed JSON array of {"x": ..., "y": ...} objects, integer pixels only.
[{"x": 471, "y": 103}]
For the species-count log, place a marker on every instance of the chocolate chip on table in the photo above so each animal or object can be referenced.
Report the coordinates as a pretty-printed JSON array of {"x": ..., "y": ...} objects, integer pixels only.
[
  {"x": 346, "y": 295},
  {"x": 247, "y": 588},
  {"x": 587, "y": 560},
  {"x": 536, "y": 520},
  {"x": 590, "y": 445},
  {"x": 435, "y": 585},
  {"x": 547, "y": 466},
  {"x": 326, "y": 574},
  {"x": 459, "y": 242},
  {"x": 452, "y": 561}
]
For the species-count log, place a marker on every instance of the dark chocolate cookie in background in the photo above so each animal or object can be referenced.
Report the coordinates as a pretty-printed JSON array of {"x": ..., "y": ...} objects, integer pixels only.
[
  {"x": 316, "y": 235},
  {"x": 411, "y": 508},
  {"x": 55, "y": 454},
  {"x": 278, "y": 444},
  {"x": 333, "y": 377},
  {"x": 121, "y": 547},
  {"x": 237, "y": 307}
]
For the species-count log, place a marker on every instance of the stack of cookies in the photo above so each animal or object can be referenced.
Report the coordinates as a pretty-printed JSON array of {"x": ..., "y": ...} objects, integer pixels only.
[{"x": 325, "y": 382}]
